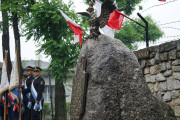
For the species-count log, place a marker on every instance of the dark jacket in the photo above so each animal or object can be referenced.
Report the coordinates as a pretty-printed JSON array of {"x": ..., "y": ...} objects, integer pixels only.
[
  {"x": 28, "y": 89},
  {"x": 39, "y": 87}
]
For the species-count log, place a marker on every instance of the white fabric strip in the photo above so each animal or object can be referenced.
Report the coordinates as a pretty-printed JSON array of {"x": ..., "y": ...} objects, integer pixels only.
[
  {"x": 4, "y": 79},
  {"x": 98, "y": 5},
  {"x": 68, "y": 19},
  {"x": 108, "y": 31},
  {"x": 76, "y": 38}
]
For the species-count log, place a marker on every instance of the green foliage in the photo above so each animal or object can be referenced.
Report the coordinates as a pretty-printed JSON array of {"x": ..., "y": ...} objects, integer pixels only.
[
  {"x": 50, "y": 30},
  {"x": 131, "y": 33},
  {"x": 128, "y": 6},
  {"x": 68, "y": 110},
  {"x": 46, "y": 110}
]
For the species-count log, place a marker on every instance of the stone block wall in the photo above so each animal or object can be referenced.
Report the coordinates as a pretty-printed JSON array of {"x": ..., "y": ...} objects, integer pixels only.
[{"x": 161, "y": 69}]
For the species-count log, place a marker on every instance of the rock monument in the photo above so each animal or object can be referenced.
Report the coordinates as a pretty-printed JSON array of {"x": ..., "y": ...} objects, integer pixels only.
[{"x": 109, "y": 85}]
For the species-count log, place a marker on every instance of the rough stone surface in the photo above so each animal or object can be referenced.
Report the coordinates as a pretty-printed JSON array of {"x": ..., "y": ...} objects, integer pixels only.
[
  {"x": 168, "y": 73},
  {"x": 168, "y": 65},
  {"x": 143, "y": 63},
  {"x": 162, "y": 67},
  {"x": 164, "y": 56},
  {"x": 174, "y": 94},
  {"x": 176, "y": 75},
  {"x": 156, "y": 87},
  {"x": 160, "y": 77},
  {"x": 178, "y": 54},
  {"x": 116, "y": 88},
  {"x": 176, "y": 68},
  {"x": 151, "y": 62},
  {"x": 178, "y": 45},
  {"x": 177, "y": 111},
  {"x": 170, "y": 83},
  {"x": 176, "y": 84},
  {"x": 176, "y": 62},
  {"x": 146, "y": 71},
  {"x": 172, "y": 55},
  {"x": 167, "y": 97},
  {"x": 154, "y": 70},
  {"x": 162, "y": 87},
  {"x": 150, "y": 78}
]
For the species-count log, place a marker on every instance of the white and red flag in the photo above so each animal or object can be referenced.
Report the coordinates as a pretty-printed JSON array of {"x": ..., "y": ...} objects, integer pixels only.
[
  {"x": 75, "y": 28},
  {"x": 4, "y": 86},
  {"x": 162, "y": 0},
  {"x": 115, "y": 20}
]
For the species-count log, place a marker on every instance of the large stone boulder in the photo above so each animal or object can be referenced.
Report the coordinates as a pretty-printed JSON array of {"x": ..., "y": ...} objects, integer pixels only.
[{"x": 116, "y": 87}]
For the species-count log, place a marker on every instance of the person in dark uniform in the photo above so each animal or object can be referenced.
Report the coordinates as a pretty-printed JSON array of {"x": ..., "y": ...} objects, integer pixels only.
[
  {"x": 13, "y": 111},
  {"x": 1, "y": 107},
  {"x": 26, "y": 92},
  {"x": 36, "y": 98},
  {"x": 23, "y": 116}
]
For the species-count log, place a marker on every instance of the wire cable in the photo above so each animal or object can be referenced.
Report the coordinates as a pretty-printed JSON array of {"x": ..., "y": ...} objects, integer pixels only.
[
  {"x": 159, "y": 5},
  {"x": 169, "y": 23},
  {"x": 172, "y": 28}
]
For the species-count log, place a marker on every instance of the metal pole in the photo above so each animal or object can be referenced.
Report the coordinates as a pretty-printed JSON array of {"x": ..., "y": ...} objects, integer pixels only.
[
  {"x": 50, "y": 90},
  {"x": 146, "y": 29}
]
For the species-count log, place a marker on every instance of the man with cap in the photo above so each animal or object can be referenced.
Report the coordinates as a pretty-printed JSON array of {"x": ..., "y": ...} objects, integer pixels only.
[
  {"x": 36, "y": 99},
  {"x": 26, "y": 91}
]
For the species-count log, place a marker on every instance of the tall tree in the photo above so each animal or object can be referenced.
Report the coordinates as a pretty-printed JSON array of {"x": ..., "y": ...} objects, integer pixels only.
[
  {"x": 17, "y": 36},
  {"x": 45, "y": 23},
  {"x": 5, "y": 36}
]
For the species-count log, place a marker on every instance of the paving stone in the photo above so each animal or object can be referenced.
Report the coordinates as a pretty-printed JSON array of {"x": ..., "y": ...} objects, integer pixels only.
[
  {"x": 160, "y": 77},
  {"x": 178, "y": 54},
  {"x": 177, "y": 110},
  {"x": 172, "y": 55},
  {"x": 168, "y": 65},
  {"x": 176, "y": 84},
  {"x": 176, "y": 75},
  {"x": 156, "y": 87},
  {"x": 162, "y": 87},
  {"x": 151, "y": 62},
  {"x": 177, "y": 102},
  {"x": 152, "y": 54},
  {"x": 151, "y": 87},
  {"x": 143, "y": 63},
  {"x": 176, "y": 62},
  {"x": 167, "y": 97},
  {"x": 176, "y": 68},
  {"x": 178, "y": 45},
  {"x": 170, "y": 83},
  {"x": 174, "y": 94},
  {"x": 147, "y": 70},
  {"x": 154, "y": 70},
  {"x": 150, "y": 78},
  {"x": 162, "y": 67},
  {"x": 164, "y": 56},
  {"x": 168, "y": 73}
]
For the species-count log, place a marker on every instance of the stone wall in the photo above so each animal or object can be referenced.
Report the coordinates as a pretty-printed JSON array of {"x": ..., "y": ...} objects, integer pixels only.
[{"x": 161, "y": 69}]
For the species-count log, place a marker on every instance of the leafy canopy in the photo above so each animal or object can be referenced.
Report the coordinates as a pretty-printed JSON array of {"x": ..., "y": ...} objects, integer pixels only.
[{"x": 50, "y": 30}]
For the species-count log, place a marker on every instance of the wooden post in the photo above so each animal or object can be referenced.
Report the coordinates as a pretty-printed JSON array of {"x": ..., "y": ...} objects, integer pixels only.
[
  {"x": 19, "y": 73},
  {"x": 5, "y": 97}
]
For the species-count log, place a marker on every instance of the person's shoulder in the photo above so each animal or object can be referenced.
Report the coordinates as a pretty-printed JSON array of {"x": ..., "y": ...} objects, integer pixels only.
[{"x": 41, "y": 80}]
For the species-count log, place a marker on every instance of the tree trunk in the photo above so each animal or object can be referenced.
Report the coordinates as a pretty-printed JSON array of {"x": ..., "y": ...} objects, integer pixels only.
[
  {"x": 17, "y": 39},
  {"x": 5, "y": 38},
  {"x": 60, "y": 101}
]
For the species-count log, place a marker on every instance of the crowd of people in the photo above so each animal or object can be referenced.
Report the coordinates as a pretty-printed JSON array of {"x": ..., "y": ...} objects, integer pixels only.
[{"x": 31, "y": 98}]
